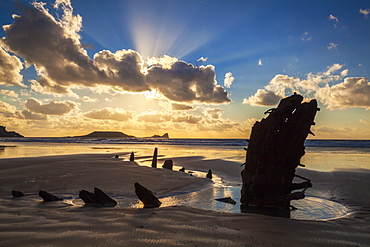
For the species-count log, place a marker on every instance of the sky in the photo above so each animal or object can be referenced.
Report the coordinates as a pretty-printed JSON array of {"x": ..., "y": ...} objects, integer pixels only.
[{"x": 193, "y": 69}]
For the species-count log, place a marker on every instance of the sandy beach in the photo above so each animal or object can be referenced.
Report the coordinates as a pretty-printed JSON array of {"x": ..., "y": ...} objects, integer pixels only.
[{"x": 27, "y": 221}]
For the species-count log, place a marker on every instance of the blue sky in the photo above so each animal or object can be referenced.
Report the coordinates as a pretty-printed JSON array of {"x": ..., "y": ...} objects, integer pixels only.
[{"x": 191, "y": 68}]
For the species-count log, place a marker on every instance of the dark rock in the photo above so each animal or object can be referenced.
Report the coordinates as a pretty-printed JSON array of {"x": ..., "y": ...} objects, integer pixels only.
[
  {"x": 89, "y": 198},
  {"x": 17, "y": 193},
  {"x": 132, "y": 156},
  {"x": 97, "y": 199},
  {"x": 182, "y": 169},
  {"x": 168, "y": 164},
  {"x": 227, "y": 200},
  {"x": 105, "y": 200},
  {"x": 116, "y": 157},
  {"x": 4, "y": 133},
  {"x": 209, "y": 174},
  {"x": 146, "y": 196},
  {"x": 48, "y": 197},
  {"x": 154, "y": 161}
]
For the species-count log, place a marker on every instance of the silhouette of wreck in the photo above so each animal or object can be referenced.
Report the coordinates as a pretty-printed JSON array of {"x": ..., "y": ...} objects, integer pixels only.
[{"x": 275, "y": 148}]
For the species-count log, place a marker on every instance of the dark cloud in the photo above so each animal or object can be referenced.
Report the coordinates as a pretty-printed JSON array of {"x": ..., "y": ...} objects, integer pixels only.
[
  {"x": 181, "y": 107},
  {"x": 55, "y": 107},
  {"x": 123, "y": 68},
  {"x": 185, "y": 83},
  {"x": 54, "y": 47},
  {"x": 32, "y": 116}
]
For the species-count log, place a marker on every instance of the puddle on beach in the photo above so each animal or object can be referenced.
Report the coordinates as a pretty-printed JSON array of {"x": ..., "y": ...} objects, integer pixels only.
[{"x": 310, "y": 208}]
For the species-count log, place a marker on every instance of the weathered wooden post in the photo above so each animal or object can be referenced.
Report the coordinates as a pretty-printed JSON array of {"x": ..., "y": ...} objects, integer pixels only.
[
  {"x": 275, "y": 148},
  {"x": 154, "y": 161}
]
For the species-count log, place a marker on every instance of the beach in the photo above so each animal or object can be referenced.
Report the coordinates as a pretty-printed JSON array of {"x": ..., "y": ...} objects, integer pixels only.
[{"x": 27, "y": 221}]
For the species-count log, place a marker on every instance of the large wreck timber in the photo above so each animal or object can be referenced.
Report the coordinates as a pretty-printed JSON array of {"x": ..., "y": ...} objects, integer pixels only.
[{"x": 275, "y": 148}]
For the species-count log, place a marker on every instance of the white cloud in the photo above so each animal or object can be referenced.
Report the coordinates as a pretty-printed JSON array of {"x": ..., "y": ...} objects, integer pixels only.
[
  {"x": 55, "y": 107},
  {"x": 8, "y": 93},
  {"x": 335, "y": 19},
  {"x": 202, "y": 59},
  {"x": 163, "y": 62},
  {"x": 10, "y": 68},
  {"x": 262, "y": 98},
  {"x": 306, "y": 37},
  {"x": 229, "y": 79},
  {"x": 352, "y": 92},
  {"x": 6, "y": 109},
  {"x": 88, "y": 99},
  {"x": 214, "y": 113},
  {"x": 332, "y": 17},
  {"x": 332, "y": 46},
  {"x": 365, "y": 12},
  {"x": 108, "y": 113},
  {"x": 364, "y": 121},
  {"x": 344, "y": 73}
]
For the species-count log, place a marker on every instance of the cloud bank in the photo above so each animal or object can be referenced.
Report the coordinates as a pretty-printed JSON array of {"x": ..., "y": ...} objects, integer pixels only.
[
  {"x": 53, "y": 46},
  {"x": 331, "y": 87}
]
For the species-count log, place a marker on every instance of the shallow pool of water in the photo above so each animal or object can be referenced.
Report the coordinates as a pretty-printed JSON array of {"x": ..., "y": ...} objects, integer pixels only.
[{"x": 310, "y": 208}]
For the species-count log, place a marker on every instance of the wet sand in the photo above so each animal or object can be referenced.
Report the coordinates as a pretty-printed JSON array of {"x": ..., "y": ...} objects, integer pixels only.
[{"x": 27, "y": 221}]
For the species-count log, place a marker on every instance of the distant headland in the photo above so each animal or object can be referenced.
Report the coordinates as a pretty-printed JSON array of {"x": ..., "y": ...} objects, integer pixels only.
[
  {"x": 116, "y": 134},
  {"x": 94, "y": 134},
  {"x": 4, "y": 133}
]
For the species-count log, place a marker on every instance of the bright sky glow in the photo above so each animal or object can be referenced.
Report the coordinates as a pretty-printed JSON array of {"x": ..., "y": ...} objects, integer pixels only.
[{"x": 194, "y": 68}]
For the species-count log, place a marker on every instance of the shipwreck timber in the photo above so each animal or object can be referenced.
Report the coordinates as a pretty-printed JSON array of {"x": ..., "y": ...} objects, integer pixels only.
[{"x": 275, "y": 148}]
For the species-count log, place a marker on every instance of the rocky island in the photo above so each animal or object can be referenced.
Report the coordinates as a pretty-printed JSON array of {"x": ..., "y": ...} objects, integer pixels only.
[
  {"x": 165, "y": 136},
  {"x": 4, "y": 133},
  {"x": 105, "y": 134}
]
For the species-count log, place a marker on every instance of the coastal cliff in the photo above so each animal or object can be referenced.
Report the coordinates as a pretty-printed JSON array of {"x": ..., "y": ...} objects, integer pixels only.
[{"x": 4, "y": 133}]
